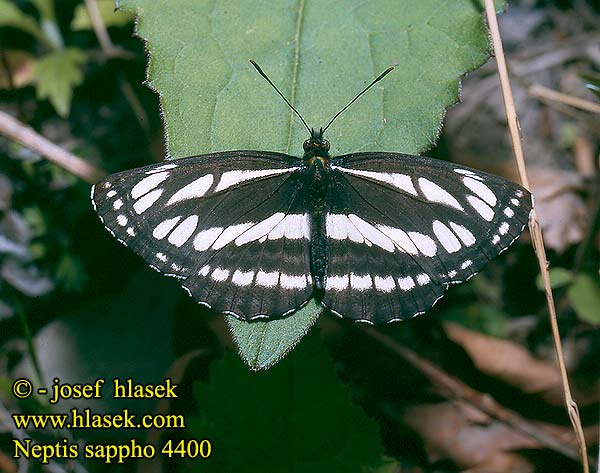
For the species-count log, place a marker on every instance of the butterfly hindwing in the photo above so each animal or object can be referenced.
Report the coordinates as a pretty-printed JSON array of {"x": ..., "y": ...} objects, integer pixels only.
[
  {"x": 230, "y": 226},
  {"x": 402, "y": 228}
]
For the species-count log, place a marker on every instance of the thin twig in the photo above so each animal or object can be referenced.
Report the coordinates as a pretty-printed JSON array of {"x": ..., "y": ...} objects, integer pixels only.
[
  {"x": 98, "y": 25},
  {"x": 108, "y": 47},
  {"x": 110, "y": 50},
  {"x": 28, "y": 137},
  {"x": 534, "y": 226},
  {"x": 453, "y": 388},
  {"x": 546, "y": 93}
]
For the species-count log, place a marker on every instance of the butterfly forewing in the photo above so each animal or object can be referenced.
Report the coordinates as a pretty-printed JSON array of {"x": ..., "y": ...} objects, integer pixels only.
[
  {"x": 402, "y": 228},
  {"x": 231, "y": 226}
]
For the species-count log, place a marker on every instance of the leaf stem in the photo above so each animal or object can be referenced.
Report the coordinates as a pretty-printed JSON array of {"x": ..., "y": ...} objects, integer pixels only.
[{"x": 299, "y": 22}]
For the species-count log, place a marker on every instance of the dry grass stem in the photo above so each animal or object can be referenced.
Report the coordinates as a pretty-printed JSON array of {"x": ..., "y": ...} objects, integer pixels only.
[
  {"x": 545, "y": 93},
  {"x": 28, "y": 137},
  {"x": 534, "y": 226}
]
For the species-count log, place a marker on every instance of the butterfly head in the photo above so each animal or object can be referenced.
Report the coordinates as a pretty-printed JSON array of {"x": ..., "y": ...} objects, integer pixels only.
[{"x": 316, "y": 145}]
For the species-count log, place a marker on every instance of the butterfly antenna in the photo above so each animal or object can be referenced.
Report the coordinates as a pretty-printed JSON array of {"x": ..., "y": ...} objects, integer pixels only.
[
  {"x": 381, "y": 76},
  {"x": 261, "y": 72}
]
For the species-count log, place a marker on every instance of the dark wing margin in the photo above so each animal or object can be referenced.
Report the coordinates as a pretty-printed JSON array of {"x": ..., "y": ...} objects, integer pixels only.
[
  {"x": 402, "y": 228},
  {"x": 230, "y": 226}
]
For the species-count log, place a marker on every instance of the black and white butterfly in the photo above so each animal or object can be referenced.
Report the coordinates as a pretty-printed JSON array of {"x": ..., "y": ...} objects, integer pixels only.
[{"x": 375, "y": 237}]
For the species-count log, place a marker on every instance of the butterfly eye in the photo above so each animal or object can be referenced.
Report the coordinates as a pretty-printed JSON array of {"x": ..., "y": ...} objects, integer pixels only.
[
  {"x": 306, "y": 145},
  {"x": 325, "y": 145}
]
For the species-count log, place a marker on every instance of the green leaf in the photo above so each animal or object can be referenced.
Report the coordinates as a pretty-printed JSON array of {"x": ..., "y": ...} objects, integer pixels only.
[
  {"x": 558, "y": 277},
  {"x": 481, "y": 317},
  {"x": 262, "y": 344},
  {"x": 10, "y": 15},
  {"x": 110, "y": 17},
  {"x": 584, "y": 295},
  {"x": 296, "y": 417},
  {"x": 57, "y": 74},
  {"x": 320, "y": 54}
]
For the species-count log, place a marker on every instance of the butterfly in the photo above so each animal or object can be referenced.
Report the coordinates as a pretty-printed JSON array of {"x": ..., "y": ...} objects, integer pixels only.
[{"x": 373, "y": 236}]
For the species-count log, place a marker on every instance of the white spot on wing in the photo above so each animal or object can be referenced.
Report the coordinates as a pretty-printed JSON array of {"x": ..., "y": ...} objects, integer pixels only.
[
  {"x": 337, "y": 226},
  {"x": 117, "y": 204},
  {"x": 130, "y": 231},
  {"x": 435, "y": 193},
  {"x": 164, "y": 227},
  {"x": 481, "y": 207},
  {"x": 146, "y": 202},
  {"x": 231, "y": 178},
  {"x": 293, "y": 227},
  {"x": 260, "y": 229},
  {"x": 446, "y": 237},
  {"x": 122, "y": 220},
  {"x": 164, "y": 167},
  {"x": 424, "y": 243},
  {"x": 509, "y": 212},
  {"x": 503, "y": 230},
  {"x": 220, "y": 274},
  {"x": 423, "y": 279},
  {"x": 111, "y": 194},
  {"x": 267, "y": 279},
  {"x": 242, "y": 278},
  {"x": 204, "y": 270},
  {"x": 406, "y": 284},
  {"x": 338, "y": 283},
  {"x": 184, "y": 231},
  {"x": 463, "y": 233},
  {"x": 193, "y": 190},
  {"x": 466, "y": 264},
  {"x": 360, "y": 283},
  {"x": 147, "y": 184},
  {"x": 400, "y": 239},
  {"x": 206, "y": 238},
  {"x": 481, "y": 190},
  {"x": 371, "y": 233},
  {"x": 291, "y": 281},
  {"x": 386, "y": 284},
  {"x": 161, "y": 257},
  {"x": 400, "y": 181},
  {"x": 230, "y": 234}
]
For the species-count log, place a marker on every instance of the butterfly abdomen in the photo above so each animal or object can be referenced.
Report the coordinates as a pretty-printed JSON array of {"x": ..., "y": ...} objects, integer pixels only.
[{"x": 318, "y": 179}]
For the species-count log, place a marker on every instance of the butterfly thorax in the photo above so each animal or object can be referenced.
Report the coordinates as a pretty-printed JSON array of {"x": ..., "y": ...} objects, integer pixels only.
[{"x": 316, "y": 147}]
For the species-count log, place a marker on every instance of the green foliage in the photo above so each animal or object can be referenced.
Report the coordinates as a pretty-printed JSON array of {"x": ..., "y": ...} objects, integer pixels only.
[
  {"x": 320, "y": 54},
  {"x": 110, "y": 16},
  {"x": 11, "y": 16},
  {"x": 584, "y": 295},
  {"x": 559, "y": 277},
  {"x": 583, "y": 292},
  {"x": 57, "y": 74},
  {"x": 262, "y": 344},
  {"x": 484, "y": 318},
  {"x": 296, "y": 418}
]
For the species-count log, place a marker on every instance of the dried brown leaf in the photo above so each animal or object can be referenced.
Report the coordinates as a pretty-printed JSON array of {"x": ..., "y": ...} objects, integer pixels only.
[
  {"x": 505, "y": 360},
  {"x": 471, "y": 439}
]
